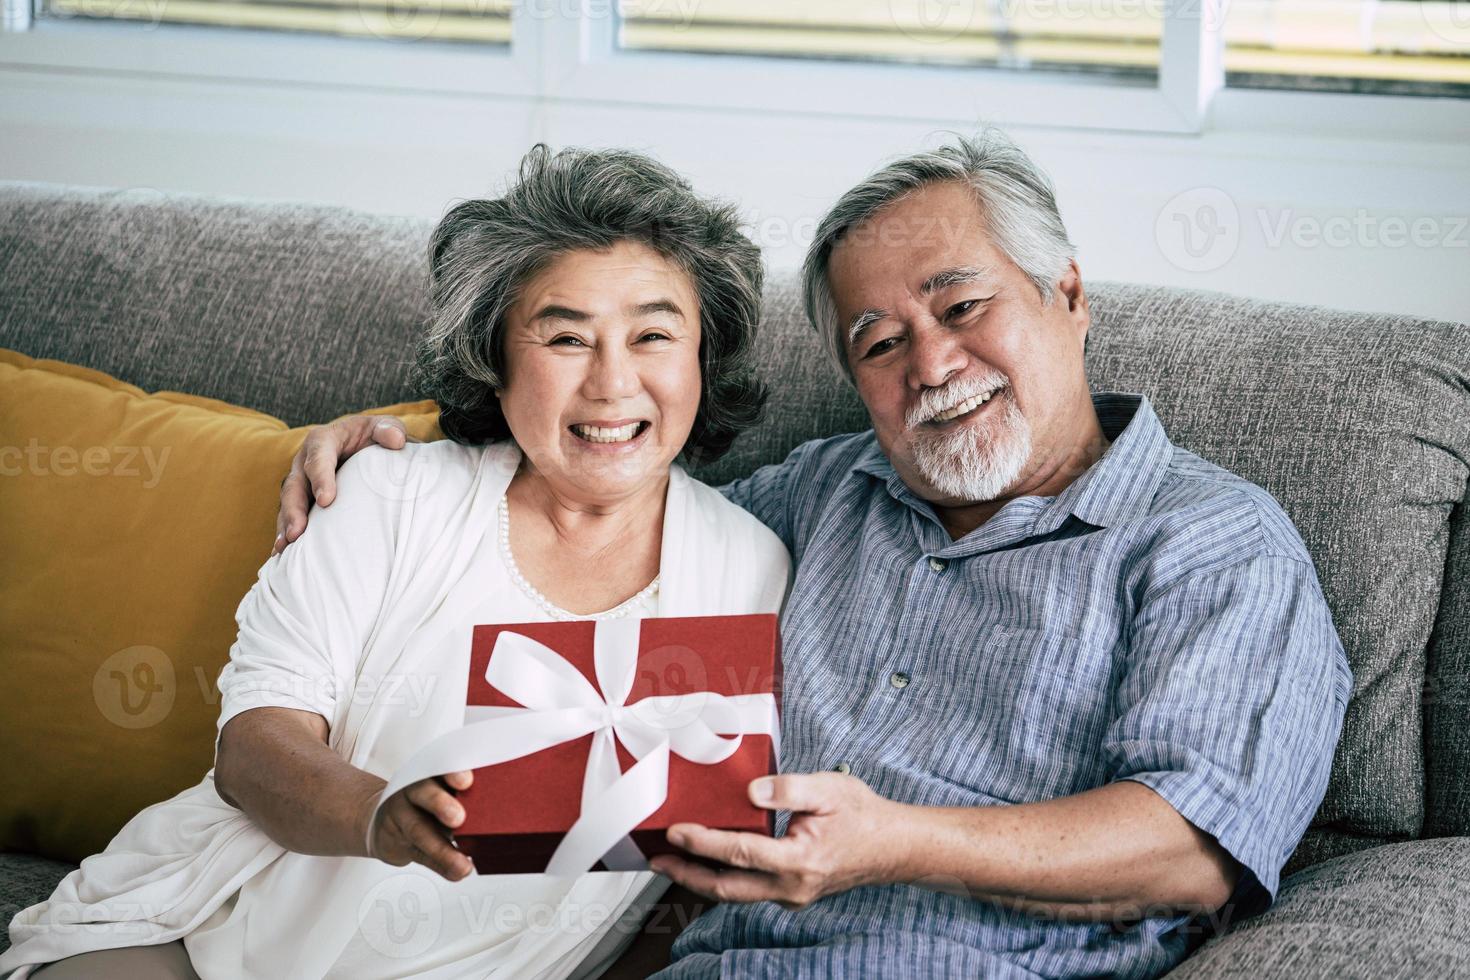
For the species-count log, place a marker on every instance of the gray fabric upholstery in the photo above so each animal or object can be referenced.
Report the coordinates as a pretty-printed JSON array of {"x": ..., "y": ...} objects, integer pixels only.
[
  {"x": 1447, "y": 694},
  {"x": 1397, "y": 911},
  {"x": 301, "y": 311},
  {"x": 1358, "y": 423},
  {"x": 25, "y": 880}
]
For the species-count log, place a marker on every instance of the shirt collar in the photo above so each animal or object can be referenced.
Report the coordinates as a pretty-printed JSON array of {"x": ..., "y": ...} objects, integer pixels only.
[{"x": 1119, "y": 486}]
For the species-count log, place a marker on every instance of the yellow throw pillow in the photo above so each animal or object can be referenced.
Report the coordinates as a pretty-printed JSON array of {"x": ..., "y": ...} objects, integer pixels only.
[{"x": 131, "y": 526}]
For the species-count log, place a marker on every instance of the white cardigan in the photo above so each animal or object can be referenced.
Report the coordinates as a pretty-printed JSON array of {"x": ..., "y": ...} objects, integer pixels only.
[{"x": 366, "y": 619}]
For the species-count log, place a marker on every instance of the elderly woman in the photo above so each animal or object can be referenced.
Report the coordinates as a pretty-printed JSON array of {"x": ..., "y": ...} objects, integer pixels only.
[{"x": 588, "y": 328}]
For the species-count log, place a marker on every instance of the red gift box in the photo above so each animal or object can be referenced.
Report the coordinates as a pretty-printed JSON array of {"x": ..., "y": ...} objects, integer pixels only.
[{"x": 518, "y": 811}]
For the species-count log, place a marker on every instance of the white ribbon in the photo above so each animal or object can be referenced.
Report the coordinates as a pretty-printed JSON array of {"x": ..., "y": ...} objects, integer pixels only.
[{"x": 560, "y": 705}]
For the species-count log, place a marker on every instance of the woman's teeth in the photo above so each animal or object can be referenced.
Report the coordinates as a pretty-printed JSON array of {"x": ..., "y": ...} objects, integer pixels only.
[
  {"x": 963, "y": 407},
  {"x": 596, "y": 433}
]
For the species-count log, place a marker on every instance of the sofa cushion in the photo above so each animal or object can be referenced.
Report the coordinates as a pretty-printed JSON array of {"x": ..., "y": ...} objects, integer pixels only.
[
  {"x": 303, "y": 311},
  {"x": 131, "y": 525},
  {"x": 26, "y": 879},
  {"x": 1359, "y": 424},
  {"x": 306, "y": 311},
  {"x": 1400, "y": 910},
  {"x": 1447, "y": 693}
]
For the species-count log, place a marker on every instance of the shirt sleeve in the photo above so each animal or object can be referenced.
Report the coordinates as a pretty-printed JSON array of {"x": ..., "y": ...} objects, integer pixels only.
[
  {"x": 1230, "y": 706},
  {"x": 305, "y": 622},
  {"x": 784, "y": 496}
]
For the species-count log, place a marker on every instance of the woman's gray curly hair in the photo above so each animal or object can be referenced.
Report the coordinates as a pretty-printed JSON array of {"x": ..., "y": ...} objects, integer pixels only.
[{"x": 485, "y": 250}]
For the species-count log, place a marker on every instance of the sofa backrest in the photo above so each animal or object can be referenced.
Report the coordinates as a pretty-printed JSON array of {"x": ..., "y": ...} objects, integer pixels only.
[{"x": 1358, "y": 423}]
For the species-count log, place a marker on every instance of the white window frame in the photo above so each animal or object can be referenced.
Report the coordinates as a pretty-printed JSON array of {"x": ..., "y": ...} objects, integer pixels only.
[{"x": 554, "y": 58}]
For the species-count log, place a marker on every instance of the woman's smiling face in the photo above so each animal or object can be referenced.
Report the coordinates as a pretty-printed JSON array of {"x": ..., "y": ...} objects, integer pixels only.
[{"x": 602, "y": 370}]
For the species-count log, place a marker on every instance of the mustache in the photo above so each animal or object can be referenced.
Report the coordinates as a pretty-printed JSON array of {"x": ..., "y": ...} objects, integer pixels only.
[{"x": 936, "y": 400}]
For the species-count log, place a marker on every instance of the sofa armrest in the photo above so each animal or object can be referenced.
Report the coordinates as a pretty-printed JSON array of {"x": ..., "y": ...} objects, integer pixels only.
[{"x": 1395, "y": 910}]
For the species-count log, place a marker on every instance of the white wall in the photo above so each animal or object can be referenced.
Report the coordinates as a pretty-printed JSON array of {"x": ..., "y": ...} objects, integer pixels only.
[{"x": 1302, "y": 210}]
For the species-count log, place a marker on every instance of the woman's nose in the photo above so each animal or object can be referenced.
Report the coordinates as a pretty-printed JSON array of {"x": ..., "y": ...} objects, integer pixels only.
[{"x": 612, "y": 375}]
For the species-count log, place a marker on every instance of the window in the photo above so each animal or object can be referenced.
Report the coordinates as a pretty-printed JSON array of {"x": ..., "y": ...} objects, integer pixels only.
[
  {"x": 481, "y": 21},
  {"x": 1400, "y": 47},
  {"x": 1115, "y": 36},
  {"x": 1127, "y": 65},
  {"x": 1392, "y": 46}
]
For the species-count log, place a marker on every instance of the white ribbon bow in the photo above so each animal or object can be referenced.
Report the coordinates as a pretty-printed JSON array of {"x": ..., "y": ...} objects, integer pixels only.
[{"x": 560, "y": 705}]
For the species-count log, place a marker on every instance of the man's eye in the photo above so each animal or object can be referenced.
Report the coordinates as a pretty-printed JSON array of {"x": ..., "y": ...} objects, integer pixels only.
[
  {"x": 654, "y": 335},
  {"x": 568, "y": 341},
  {"x": 881, "y": 347},
  {"x": 960, "y": 309}
]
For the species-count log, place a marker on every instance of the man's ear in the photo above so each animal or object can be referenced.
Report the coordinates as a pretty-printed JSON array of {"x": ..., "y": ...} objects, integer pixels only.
[{"x": 1078, "y": 311}]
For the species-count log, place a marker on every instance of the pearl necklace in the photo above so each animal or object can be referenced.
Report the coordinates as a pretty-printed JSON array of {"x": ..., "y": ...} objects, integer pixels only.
[{"x": 619, "y": 611}]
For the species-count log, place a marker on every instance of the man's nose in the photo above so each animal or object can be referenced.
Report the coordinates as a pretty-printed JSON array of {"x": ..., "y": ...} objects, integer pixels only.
[
  {"x": 935, "y": 356},
  {"x": 612, "y": 375}
]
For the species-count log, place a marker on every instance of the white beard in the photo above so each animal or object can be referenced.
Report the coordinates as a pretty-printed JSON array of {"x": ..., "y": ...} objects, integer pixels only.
[{"x": 975, "y": 463}]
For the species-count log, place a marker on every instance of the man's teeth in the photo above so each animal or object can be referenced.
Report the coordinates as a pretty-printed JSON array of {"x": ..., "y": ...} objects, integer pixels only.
[
  {"x": 963, "y": 407},
  {"x": 596, "y": 433}
]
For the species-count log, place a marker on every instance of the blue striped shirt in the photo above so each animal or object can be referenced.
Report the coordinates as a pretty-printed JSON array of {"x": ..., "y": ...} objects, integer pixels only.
[{"x": 1159, "y": 620}]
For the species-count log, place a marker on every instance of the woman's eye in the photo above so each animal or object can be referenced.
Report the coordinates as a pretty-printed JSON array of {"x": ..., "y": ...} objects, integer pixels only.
[
  {"x": 569, "y": 341},
  {"x": 654, "y": 335},
  {"x": 960, "y": 309}
]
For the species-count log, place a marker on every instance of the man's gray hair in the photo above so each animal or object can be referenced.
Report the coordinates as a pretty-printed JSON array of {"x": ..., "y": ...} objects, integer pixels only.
[
  {"x": 1015, "y": 198},
  {"x": 484, "y": 251}
]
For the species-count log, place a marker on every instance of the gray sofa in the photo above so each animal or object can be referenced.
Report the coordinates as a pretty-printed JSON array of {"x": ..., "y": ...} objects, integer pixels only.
[{"x": 1359, "y": 424}]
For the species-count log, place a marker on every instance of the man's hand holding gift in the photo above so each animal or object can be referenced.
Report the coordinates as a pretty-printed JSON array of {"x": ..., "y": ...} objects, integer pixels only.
[
  {"x": 1037, "y": 857},
  {"x": 841, "y": 835}
]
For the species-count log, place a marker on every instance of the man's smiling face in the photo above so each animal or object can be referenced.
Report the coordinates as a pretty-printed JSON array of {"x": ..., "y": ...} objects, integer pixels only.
[{"x": 976, "y": 389}]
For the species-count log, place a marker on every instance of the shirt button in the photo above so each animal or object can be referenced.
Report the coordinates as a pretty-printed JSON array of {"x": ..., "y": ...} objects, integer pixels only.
[
  {"x": 899, "y": 679},
  {"x": 938, "y": 564},
  {"x": 842, "y": 767}
]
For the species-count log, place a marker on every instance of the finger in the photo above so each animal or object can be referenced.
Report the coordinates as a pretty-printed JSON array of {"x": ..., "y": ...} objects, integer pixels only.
[
  {"x": 390, "y": 432},
  {"x": 722, "y": 886},
  {"x": 435, "y": 852},
  {"x": 460, "y": 780},
  {"x": 807, "y": 792},
  {"x": 291, "y": 519},
  {"x": 434, "y": 800},
  {"x": 321, "y": 454},
  {"x": 740, "y": 850}
]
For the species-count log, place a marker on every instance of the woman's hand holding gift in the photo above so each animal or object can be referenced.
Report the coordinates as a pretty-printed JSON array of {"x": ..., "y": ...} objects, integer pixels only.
[{"x": 416, "y": 825}]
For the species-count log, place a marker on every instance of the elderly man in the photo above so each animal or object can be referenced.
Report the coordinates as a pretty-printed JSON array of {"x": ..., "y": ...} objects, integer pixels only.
[{"x": 1059, "y": 696}]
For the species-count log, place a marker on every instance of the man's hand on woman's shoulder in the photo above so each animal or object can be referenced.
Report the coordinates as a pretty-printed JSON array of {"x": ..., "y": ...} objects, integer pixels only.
[{"x": 313, "y": 474}]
